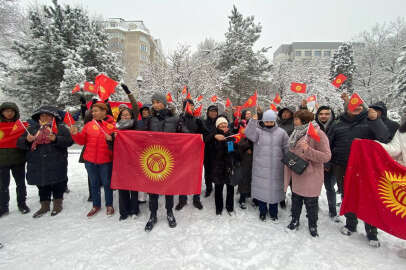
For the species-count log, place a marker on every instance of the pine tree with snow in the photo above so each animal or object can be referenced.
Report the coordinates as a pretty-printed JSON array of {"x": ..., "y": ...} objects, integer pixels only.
[
  {"x": 400, "y": 79},
  {"x": 343, "y": 63},
  {"x": 243, "y": 68},
  {"x": 64, "y": 47}
]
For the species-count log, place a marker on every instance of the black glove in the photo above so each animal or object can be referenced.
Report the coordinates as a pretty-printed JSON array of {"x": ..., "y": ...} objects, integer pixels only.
[
  {"x": 125, "y": 88},
  {"x": 82, "y": 100}
]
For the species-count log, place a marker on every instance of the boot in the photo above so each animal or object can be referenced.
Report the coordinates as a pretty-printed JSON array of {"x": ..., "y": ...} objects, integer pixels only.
[
  {"x": 294, "y": 224},
  {"x": 23, "y": 208},
  {"x": 180, "y": 205},
  {"x": 44, "y": 208},
  {"x": 57, "y": 207},
  {"x": 171, "y": 219},
  {"x": 151, "y": 222},
  {"x": 283, "y": 204},
  {"x": 313, "y": 231},
  {"x": 197, "y": 204}
]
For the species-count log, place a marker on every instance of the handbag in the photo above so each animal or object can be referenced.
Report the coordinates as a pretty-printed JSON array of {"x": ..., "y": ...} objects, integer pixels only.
[{"x": 294, "y": 162}]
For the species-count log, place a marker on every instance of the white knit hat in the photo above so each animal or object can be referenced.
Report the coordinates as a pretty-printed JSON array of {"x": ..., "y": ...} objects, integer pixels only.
[{"x": 221, "y": 120}]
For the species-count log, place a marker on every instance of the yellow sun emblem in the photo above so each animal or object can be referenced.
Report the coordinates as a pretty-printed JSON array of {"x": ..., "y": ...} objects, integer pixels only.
[
  {"x": 102, "y": 90},
  {"x": 392, "y": 189},
  {"x": 338, "y": 81},
  {"x": 1, "y": 134},
  {"x": 354, "y": 101},
  {"x": 115, "y": 111},
  {"x": 298, "y": 88},
  {"x": 157, "y": 162}
]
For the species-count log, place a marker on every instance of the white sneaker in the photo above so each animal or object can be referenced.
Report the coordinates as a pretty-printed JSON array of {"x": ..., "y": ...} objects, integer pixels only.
[
  {"x": 344, "y": 230},
  {"x": 275, "y": 220},
  {"x": 336, "y": 219},
  {"x": 374, "y": 243}
]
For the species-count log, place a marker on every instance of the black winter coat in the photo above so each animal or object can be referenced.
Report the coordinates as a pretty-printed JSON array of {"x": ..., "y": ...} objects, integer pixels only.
[
  {"x": 330, "y": 122},
  {"x": 163, "y": 121},
  {"x": 246, "y": 164},
  {"x": 189, "y": 124},
  {"x": 287, "y": 125},
  {"x": 346, "y": 129},
  {"x": 221, "y": 161},
  {"x": 48, "y": 164},
  {"x": 391, "y": 125}
]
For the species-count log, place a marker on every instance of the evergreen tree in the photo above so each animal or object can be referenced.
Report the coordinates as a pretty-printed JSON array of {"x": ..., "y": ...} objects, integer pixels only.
[
  {"x": 400, "y": 79},
  {"x": 64, "y": 47},
  {"x": 243, "y": 69},
  {"x": 343, "y": 63}
]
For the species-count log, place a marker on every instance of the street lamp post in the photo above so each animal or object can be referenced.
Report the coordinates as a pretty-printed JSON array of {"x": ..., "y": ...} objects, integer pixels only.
[{"x": 139, "y": 82}]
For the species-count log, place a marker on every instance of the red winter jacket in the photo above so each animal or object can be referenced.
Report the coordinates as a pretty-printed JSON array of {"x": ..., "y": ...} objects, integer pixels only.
[{"x": 94, "y": 139}]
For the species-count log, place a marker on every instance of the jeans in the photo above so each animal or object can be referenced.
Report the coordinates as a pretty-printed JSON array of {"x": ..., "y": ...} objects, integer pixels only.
[
  {"x": 329, "y": 182},
  {"x": 273, "y": 209},
  {"x": 18, "y": 172},
  {"x": 55, "y": 190},
  {"x": 100, "y": 174}
]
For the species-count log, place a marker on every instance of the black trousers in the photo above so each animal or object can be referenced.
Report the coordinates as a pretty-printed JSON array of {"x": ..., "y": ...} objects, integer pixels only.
[
  {"x": 312, "y": 208},
  {"x": 208, "y": 181},
  {"x": 18, "y": 172},
  {"x": 218, "y": 197},
  {"x": 128, "y": 202},
  {"x": 153, "y": 203},
  {"x": 351, "y": 219},
  {"x": 55, "y": 190},
  {"x": 183, "y": 198}
]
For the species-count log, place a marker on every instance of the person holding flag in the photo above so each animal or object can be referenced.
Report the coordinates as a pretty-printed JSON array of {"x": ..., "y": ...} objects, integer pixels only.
[
  {"x": 357, "y": 123},
  {"x": 309, "y": 143},
  {"x": 189, "y": 124},
  {"x": 12, "y": 159},
  {"x": 46, "y": 142},
  {"x": 270, "y": 144},
  {"x": 96, "y": 136},
  {"x": 162, "y": 120}
]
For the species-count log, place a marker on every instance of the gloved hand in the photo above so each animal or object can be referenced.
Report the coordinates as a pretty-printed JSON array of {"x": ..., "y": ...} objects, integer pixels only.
[{"x": 125, "y": 88}]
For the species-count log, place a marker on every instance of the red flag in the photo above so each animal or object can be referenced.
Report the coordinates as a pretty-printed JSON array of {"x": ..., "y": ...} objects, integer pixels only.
[
  {"x": 228, "y": 103},
  {"x": 184, "y": 90},
  {"x": 68, "y": 119},
  {"x": 213, "y": 98},
  {"x": 200, "y": 98},
  {"x": 169, "y": 164},
  {"x": 114, "y": 105},
  {"x": 237, "y": 137},
  {"x": 298, "y": 87},
  {"x": 19, "y": 127},
  {"x": 89, "y": 87},
  {"x": 198, "y": 111},
  {"x": 277, "y": 99},
  {"x": 273, "y": 107},
  {"x": 76, "y": 89},
  {"x": 105, "y": 86},
  {"x": 169, "y": 97},
  {"x": 251, "y": 102},
  {"x": 311, "y": 99},
  {"x": 312, "y": 132},
  {"x": 188, "y": 108},
  {"x": 375, "y": 188},
  {"x": 188, "y": 96},
  {"x": 237, "y": 113},
  {"x": 54, "y": 127},
  {"x": 339, "y": 80},
  {"x": 10, "y": 132},
  {"x": 355, "y": 101}
]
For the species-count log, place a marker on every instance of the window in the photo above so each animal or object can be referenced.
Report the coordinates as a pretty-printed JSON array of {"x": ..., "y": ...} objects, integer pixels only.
[
  {"x": 298, "y": 53},
  {"x": 327, "y": 53},
  {"x": 317, "y": 53},
  {"x": 143, "y": 47},
  {"x": 308, "y": 53},
  {"x": 113, "y": 24}
]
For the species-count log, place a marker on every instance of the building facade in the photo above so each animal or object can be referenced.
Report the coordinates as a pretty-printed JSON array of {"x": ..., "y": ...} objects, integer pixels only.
[
  {"x": 135, "y": 46},
  {"x": 305, "y": 51}
]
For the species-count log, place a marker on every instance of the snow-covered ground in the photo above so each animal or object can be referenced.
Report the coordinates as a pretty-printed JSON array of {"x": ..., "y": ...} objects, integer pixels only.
[{"x": 201, "y": 240}]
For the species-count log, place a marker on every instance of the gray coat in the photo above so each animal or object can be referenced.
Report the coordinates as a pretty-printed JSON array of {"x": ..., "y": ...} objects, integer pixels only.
[{"x": 267, "y": 168}]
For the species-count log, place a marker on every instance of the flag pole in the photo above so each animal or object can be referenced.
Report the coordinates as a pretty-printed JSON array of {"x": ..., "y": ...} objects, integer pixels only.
[
  {"x": 100, "y": 127},
  {"x": 24, "y": 127}
]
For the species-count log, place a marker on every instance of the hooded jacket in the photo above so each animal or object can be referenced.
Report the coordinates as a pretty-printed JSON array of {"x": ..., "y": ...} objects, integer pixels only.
[
  {"x": 391, "y": 125},
  {"x": 10, "y": 156},
  {"x": 286, "y": 124}
]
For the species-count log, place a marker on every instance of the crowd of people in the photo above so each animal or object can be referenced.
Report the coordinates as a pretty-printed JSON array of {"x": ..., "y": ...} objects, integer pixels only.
[{"x": 253, "y": 164}]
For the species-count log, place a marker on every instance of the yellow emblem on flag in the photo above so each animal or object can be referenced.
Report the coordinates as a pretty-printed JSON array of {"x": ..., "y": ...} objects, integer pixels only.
[
  {"x": 95, "y": 127},
  {"x": 14, "y": 128},
  {"x": 91, "y": 87},
  {"x": 392, "y": 189},
  {"x": 338, "y": 81},
  {"x": 298, "y": 88},
  {"x": 1, "y": 134},
  {"x": 116, "y": 112},
  {"x": 102, "y": 90},
  {"x": 157, "y": 162},
  {"x": 354, "y": 101},
  {"x": 110, "y": 126},
  {"x": 249, "y": 101}
]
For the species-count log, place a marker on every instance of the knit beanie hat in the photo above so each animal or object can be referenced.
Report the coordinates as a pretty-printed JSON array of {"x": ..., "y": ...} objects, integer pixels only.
[
  {"x": 269, "y": 115},
  {"x": 159, "y": 97},
  {"x": 221, "y": 120}
]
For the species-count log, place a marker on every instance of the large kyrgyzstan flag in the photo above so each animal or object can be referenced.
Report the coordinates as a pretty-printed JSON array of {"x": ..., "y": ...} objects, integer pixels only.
[
  {"x": 157, "y": 162},
  {"x": 9, "y": 134},
  {"x": 375, "y": 188}
]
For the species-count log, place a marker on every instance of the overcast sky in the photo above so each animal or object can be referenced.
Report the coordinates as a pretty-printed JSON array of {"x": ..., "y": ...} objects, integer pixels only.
[{"x": 283, "y": 21}]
